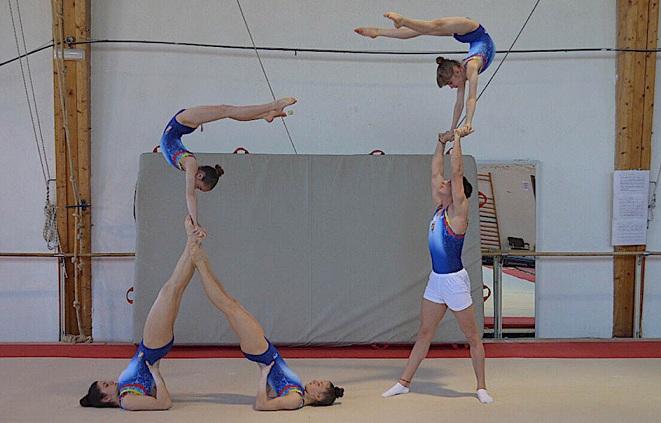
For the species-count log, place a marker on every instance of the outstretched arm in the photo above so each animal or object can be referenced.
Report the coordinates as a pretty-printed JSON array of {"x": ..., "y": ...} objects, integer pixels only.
[
  {"x": 472, "y": 69},
  {"x": 459, "y": 200},
  {"x": 437, "y": 170},
  {"x": 458, "y": 106},
  {"x": 190, "y": 165}
]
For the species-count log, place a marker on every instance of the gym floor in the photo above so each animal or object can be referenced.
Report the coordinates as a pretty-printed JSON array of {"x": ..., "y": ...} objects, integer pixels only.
[{"x": 223, "y": 389}]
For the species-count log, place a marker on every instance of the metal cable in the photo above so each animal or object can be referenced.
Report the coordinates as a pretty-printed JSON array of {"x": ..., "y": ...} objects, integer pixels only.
[
  {"x": 245, "y": 21},
  {"x": 49, "y": 231},
  {"x": 34, "y": 98},
  {"x": 27, "y": 96},
  {"x": 296, "y": 50},
  {"x": 504, "y": 58}
]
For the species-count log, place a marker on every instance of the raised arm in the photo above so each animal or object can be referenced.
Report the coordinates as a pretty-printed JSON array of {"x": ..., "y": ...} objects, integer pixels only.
[
  {"x": 437, "y": 170},
  {"x": 459, "y": 199}
]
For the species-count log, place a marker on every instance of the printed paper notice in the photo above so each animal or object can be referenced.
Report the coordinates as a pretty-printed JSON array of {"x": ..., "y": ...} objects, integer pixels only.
[{"x": 630, "y": 199}]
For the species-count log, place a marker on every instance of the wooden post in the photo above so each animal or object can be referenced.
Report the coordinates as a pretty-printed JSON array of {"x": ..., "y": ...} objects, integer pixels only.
[
  {"x": 636, "y": 72},
  {"x": 71, "y": 21}
]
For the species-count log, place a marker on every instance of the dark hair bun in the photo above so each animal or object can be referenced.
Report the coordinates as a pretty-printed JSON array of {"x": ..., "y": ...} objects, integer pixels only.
[
  {"x": 339, "y": 392},
  {"x": 84, "y": 401},
  {"x": 219, "y": 171},
  {"x": 440, "y": 60}
]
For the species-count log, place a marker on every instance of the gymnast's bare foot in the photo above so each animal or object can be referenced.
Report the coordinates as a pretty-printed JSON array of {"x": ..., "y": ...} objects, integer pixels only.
[
  {"x": 396, "y": 18},
  {"x": 279, "y": 108},
  {"x": 367, "y": 32}
]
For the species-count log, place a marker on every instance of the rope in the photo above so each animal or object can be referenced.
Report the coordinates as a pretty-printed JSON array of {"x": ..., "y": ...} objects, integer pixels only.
[
  {"x": 50, "y": 233},
  {"x": 261, "y": 64},
  {"x": 509, "y": 50}
]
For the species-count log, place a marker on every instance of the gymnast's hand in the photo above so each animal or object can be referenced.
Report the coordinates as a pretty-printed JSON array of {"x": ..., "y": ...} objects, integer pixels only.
[
  {"x": 465, "y": 130},
  {"x": 445, "y": 137},
  {"x": 200, "y": 232},
  {"x": 396, "y": 18}
]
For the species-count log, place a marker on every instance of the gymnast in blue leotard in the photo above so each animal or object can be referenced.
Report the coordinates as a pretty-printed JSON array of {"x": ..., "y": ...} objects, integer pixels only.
[
  {"x": 449, "y": 285},
  {"x": 279, "y": 387},
  {"x": 185, "y": 121},
  {"x": 140, "y": 386},
  {"x": 452, "y": 73}
]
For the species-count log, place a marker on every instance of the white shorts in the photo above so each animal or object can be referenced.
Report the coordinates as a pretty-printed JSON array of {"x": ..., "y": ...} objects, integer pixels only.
[{"x": 453, "y": 289}]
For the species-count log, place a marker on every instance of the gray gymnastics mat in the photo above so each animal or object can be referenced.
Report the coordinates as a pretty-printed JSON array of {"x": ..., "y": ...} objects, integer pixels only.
[{"x": 321, "y": 249}]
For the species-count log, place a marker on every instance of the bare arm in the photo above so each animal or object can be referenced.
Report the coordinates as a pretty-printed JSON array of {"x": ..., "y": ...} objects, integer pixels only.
[
  {"x": 437, "y": 171},
  {"x": 190, "y": 166},
  {"x": 459, "y": 200},
  {"x": 472, "y": 69},
  {"x": 458, "y": 106}
]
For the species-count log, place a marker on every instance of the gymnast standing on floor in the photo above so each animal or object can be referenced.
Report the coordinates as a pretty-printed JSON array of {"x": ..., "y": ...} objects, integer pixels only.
[{"x": 449, "y": 285}]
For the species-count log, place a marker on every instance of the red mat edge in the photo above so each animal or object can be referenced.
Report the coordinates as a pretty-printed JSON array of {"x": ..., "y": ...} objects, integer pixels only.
[
  {"x": 512, "y": 322},
  {"x": 508, "y": 349}
]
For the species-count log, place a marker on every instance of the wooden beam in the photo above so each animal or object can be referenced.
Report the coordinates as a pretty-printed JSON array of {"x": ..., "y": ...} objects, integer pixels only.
[
  {"x": 636, "y": 73},
  {"x": 71, "y": 20}
]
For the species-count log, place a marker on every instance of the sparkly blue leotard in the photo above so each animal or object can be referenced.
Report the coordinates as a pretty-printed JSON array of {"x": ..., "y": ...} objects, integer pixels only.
[
  {"x": 171, "y": 146},
  {"x": 444, "y": 245},
  {"x": 136, "y": 379},
  {"x": 281, "y": 379},
  {"x": 481, "y": 45}
]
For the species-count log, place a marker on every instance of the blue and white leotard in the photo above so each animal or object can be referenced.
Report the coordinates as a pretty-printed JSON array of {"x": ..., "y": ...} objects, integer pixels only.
[
  {"x": 444, "y": 245},
  {"x": 481, "y": 45}
]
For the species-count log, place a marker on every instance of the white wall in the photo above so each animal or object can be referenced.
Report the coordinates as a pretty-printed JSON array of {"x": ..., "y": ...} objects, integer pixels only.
[
  {"x": 555, "y": 109},
  {"x": 651, "y": 324},
  {"x": 28, "y": 287}
]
